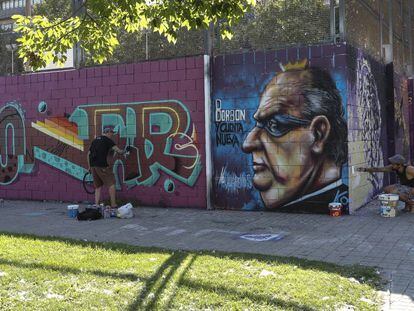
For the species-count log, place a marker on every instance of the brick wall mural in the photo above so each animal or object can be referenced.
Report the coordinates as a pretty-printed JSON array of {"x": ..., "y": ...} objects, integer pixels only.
[
  {"x": 378, "y": 124},
  {"x": 288, "y": 130},
  {"x": 373, "y": 136},
  {"x": 279, "y": 139},
  {"x": 48, "y": 121}
]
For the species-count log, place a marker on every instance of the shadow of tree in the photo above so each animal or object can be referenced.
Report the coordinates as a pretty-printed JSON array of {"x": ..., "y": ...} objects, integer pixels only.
[
  {"x": 66, "y": 270},
  {"x": 180, "y": 279},
  {"x": 172, "y": 273},
  {"x": 157, "y": 282},
  {"x": 366, "y": 275},
  {"x": 345, "y": 271},
  {"x": 276, "y": 302},
  {"x": 117, "y": 247}
]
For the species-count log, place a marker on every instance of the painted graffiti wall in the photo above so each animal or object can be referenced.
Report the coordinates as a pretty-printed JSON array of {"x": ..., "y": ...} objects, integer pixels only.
[
  {"x": 367, "y": 108},
  {"x": 279, "y": 133},
  {"x": 379, "y": 123},
  {"x": 48, "y": 121}
]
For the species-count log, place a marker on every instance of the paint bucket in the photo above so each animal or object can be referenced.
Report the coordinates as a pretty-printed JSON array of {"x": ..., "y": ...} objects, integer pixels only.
[
  {"x": 389, "y": 203},
  {"x": 73, "y": 210},
  {"x": 335, "y": 209}
]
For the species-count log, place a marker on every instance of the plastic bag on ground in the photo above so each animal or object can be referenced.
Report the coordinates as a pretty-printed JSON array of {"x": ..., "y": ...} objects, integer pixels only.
[{"x": 125, "y": 211}]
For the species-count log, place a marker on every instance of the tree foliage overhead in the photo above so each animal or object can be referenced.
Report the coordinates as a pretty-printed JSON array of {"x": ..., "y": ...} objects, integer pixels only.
[{"x": 97, "y": 23}]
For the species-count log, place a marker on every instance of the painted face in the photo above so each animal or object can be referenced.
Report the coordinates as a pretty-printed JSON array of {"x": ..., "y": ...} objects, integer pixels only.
[{"x": 281, "y": 141}]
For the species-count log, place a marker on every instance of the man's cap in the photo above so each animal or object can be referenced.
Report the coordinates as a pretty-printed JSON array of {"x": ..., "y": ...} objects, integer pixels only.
[
  {"x": 397, "y": 159},
  {"x": 108, "y": 129}
]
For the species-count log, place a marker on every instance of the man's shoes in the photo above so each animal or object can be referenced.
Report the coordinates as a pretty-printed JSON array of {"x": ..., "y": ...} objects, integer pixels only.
[{"x": 409, "y": 208}]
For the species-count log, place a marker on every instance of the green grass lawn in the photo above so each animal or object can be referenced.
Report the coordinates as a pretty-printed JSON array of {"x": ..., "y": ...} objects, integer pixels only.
[{"x": 38, "y": 273}]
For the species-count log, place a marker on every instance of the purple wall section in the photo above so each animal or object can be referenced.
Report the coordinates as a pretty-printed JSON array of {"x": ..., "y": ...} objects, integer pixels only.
[{"x": 48, "y": 121}]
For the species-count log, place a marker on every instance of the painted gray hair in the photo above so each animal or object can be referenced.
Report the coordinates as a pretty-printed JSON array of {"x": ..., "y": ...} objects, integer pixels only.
[{"x": 322, "y": 98}]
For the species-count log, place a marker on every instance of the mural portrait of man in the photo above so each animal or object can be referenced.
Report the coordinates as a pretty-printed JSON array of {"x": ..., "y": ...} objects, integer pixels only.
[{"x": 298, "y": 144}]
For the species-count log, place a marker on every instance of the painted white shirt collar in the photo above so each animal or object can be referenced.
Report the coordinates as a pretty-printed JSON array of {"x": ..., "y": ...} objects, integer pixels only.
[{"x": 317, "y": 192}]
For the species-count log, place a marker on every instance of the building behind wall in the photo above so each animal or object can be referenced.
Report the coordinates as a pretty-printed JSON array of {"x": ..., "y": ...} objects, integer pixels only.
[{"x": 8, "y": 8}]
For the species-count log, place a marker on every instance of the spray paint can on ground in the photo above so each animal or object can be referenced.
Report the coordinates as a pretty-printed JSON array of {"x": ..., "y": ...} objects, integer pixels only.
[
  {"x": 113, "y": 212},
  {"x": 107, "y": 212}
]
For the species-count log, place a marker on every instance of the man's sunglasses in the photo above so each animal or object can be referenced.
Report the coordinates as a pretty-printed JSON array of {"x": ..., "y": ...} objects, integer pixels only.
[{"x": 281, "y": 124}]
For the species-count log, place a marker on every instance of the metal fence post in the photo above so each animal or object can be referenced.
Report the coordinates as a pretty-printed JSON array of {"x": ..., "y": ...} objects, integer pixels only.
[
  {"x": 410, "y": 37},
  {"x": 332, "y": 19},
  {"x": 146, "y": 44},
  {"x": 208, "y": 40},
  {"x": 78, "y": 55},
  {"x": 390, "y": 24},
  {"x": 28, "y": 8},
  {"x": 381, "y": 23},
  {"x": 342, "y": 30}
]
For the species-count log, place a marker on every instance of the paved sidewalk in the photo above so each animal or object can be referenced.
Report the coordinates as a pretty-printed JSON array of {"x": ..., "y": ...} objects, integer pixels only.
[{"x": 365, "y": 238}]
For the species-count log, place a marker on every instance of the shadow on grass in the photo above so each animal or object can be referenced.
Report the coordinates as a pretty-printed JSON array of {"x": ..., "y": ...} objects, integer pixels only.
[
  {"x": 99, "y": 273},
  {"x": 180, "y": 281},
  {"x": 370, "y": 276},
  {"x": 157, "y": 282},
  {"x": 117, "y": 247},
  {"x": 174, "y": 269},
  {"x": 275, "y": 302},
  {"x": 366, "y": 275}
]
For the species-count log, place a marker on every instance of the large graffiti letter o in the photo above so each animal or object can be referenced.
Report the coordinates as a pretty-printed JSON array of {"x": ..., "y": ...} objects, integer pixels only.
[{"x": 12, "y": 142}]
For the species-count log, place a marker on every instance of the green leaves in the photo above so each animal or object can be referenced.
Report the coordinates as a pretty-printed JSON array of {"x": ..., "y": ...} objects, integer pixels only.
[
  {"x": 43, "y": 41},
  {"x": 226, "y": 34},
  {"x": 99, "y": 22}
]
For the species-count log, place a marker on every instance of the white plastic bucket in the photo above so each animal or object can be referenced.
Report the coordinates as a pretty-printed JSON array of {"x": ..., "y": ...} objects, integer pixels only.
[{"x": 388, "y": 204}]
